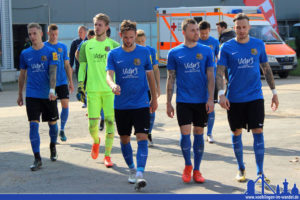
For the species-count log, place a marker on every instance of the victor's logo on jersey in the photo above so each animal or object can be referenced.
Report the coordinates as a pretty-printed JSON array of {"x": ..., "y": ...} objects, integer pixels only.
[
  {"x": 101, "y": 57},
  {"x": 54, "y": 55},
  {"x": 130, "y": 73},
  {"x": 107, "y": 48},
  {"x": 137, "y": 61},
  {"x": 199, "y": 56},
  {"x": 254, "y": 51},
  {"x": 44, "y": 58},
  {"x": 59, "y": 50}
]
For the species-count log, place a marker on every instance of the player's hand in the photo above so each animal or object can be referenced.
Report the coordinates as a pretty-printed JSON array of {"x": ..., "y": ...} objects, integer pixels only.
[
  {"x": 170, "y": 110},
  {"x": 80, "y": 92},
  {"x": 158, "y": 91},
  {"x": 52, "y": 97},
  {"x": 275, "y": 102},
  {"x": 20, "y": 100},
  {"x": 224, "y": 103},
  {"x": 116, "y": 90},
  {"x": 71, "y": 87},
  {"x": 153, "y": 105},
  {"x": 210, "y": 106}
]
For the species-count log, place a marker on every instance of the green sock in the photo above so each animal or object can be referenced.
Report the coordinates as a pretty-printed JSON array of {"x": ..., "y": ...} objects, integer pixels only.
[
  {"x": 94, "y": 130},
  {"x": 109, "y": 135}
]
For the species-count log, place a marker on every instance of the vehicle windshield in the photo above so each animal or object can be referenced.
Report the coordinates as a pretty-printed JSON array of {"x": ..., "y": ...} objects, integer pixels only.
[{"x": 265, "y": 33}]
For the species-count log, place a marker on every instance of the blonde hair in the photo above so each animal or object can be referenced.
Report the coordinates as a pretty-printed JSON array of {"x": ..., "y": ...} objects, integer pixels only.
[
  {"x": 103, "y": 17},
  {"x": 128, "y": 25},
  {"x": 140, "y": 33},
  {"x": 34, "y": 25}
]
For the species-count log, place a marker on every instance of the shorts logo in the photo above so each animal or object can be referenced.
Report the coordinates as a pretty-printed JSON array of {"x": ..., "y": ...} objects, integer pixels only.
[
  {"x": 137, "y": 61},
  {"x": 107, "y": 48},
  {"x": 54, "y": 55},
  {"x": 199, "y": 56},
  {"x": 59, "y": 50},
  {"x": 44, "y": 58},
  {"x": 254, "y": 52}
]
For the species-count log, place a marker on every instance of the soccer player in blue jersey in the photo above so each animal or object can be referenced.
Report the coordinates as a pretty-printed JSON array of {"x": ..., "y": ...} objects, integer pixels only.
[
  {"x": 213, "y": 43},
  {"x": 39, "y": 62},
  {"x": 192, "y": 65},
  {"x": 63, "y": 74},
  {"x": 242, "y": 57},
  {"x": 141, "y": 40},
  {"x": 132, "y": 67}
]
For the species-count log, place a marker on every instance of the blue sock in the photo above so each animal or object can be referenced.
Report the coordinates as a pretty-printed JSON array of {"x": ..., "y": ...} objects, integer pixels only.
[
  {"x": 152, "y": 118},
  {"x": 127, "y": 154},
  {"x": 102, "y": 114},
  {"x": 185, "y": 143},
  {"x": 198, "y": 147},
  {"x": 53, "y": 130},
  {"x": 238, "y": 150},
  {"x": 259, "y": 151},
  {"x": 141, "y": 155},
  {"x": 34, "y": 137},
  {"x": 64, "y": 118},
  {"x": 210, "y": 122}
]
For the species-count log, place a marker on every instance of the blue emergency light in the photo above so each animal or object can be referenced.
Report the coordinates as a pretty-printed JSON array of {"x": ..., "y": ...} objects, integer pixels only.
[{"x": 236, "y": 11}]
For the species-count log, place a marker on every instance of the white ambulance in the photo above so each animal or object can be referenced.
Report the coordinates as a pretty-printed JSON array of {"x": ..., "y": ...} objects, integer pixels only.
[{"x": 282, "y": 58}]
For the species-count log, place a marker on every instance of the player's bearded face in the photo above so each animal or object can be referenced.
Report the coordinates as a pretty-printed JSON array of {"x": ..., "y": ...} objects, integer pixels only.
[
  {"x": 100, "y": 28},
  {"x": 242, "y": 28},
  {"x": 192, "y": 33},
  {"x": 128, "y": 38}
]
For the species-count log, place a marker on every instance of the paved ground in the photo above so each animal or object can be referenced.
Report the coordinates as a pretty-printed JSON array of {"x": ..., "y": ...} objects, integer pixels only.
[{"x": 77, "y": 172}]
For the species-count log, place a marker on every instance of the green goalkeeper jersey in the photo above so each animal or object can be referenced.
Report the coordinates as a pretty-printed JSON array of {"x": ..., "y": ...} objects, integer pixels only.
[{"x": 93, "y": 57}]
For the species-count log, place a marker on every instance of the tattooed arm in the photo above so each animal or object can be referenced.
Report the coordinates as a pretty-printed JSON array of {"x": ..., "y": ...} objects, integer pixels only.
[
  {"x": 52, "y": 76},
  {"x": 220, "y": 86},
  {"x": 270, "y": 80},
  {"x": 211, "y": 88},
  {"x": 170, "y": 89}
]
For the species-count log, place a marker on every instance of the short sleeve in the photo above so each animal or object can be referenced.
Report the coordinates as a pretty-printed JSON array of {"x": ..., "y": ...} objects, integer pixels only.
[
  {"x": 171, "y": 63},
  {"x": 223, "y": 57},
  {"x": 148, "y": 63},
  {"x": 22, "y": 61},
  {"x": 210, "y": 59},
  {"x": 65, "y": 50},
  {"x": 110, "y": 62},
  {"x": 82, "y": 54},
  {"x": 263, "y": 58},
  {"x": 154, "y": 57}
]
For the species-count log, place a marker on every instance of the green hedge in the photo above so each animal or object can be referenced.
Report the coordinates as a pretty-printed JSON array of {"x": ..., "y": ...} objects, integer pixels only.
[{"x": 296, "y": 72}]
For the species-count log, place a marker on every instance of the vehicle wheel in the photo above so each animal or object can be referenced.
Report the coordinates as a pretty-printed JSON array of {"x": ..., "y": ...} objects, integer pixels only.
[{"x": 283, "y": 74}]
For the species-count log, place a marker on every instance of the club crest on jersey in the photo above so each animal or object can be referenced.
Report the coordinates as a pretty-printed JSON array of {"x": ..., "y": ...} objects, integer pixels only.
[
  {"x": 199, "y": 56},
  {"x": 44, "y": 58},
  {"x": 254, "y": 52},
  {"x": 211, "y": 46},
  {"x": 107, "y": 48},
  {"x": 54, "y": 55},
  {"x": 59, "y": 50},
  {"x": 137, "y": 61}
]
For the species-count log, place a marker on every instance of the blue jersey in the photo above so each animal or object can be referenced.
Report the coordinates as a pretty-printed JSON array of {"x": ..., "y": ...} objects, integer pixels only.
[
  {"x": 190, "y": 65},
  {"x": 130, "y": 74},
  {"x": 153, "y": 55},
  {"x": 213, "y": 44},
  {"x": 243, "y": 63},
  {"x": 37, "y": 63},
  {"x": 62, "y": 54}
]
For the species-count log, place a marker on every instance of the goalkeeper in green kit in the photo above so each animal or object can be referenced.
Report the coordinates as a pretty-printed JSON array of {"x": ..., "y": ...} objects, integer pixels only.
[{"x": 99, "y": 95}]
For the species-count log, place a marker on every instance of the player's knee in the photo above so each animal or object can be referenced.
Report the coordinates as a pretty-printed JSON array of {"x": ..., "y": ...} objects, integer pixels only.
[
  {"x": 109, "y": 120},
  {"x": 93, "y": 125}
]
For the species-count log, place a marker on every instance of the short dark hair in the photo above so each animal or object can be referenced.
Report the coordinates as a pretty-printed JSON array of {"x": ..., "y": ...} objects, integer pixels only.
[
  {"x": 241, "y": 16},
  {"x": 128, "y": 25},
  {"x": 186, "y": 22},
  {"x": 52, "y": 27},
  {"x": 91, "y": 32},
  {"x": 203, "y": 25},
  {"x": 222, "y": 24}
]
